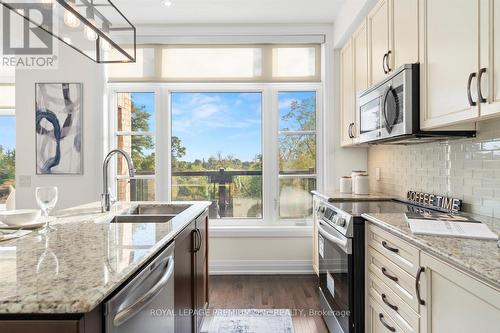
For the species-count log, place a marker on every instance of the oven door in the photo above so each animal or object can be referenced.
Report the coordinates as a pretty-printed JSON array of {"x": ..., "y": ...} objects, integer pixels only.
[{"x": 335, "y": 277}]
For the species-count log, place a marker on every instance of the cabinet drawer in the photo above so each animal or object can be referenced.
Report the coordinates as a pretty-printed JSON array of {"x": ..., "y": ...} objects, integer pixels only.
[
  {"x": 379, "y": 321},
  {"x": 397, "y": 279},
  {"x": 402, "y": 314},
  {"x": 398, "y": 251}
]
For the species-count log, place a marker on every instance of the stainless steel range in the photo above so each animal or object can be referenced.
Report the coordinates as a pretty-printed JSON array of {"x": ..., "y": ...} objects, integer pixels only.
[{"x": 341, "y": 247}]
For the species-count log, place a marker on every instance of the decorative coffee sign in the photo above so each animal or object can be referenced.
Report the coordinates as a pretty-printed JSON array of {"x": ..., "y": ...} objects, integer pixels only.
[{"x": 437, "y": 201}]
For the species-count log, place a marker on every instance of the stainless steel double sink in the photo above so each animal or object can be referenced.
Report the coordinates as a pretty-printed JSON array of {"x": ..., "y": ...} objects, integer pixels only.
[{"x": 151, "y": 213}]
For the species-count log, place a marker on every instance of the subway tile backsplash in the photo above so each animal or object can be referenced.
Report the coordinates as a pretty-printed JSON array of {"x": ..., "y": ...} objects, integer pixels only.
[{"x": 467, "y": 169}]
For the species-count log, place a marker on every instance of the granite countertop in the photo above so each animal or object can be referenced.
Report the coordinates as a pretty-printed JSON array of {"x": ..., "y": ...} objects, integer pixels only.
[
  {"x": 480, "y": 258},
  {"x": 337, "y": 196},
  {"x": 86, "y": 259}
]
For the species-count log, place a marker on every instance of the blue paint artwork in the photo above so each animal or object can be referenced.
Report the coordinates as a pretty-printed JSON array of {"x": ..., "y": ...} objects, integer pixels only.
[{"x": 58, "y": 128}]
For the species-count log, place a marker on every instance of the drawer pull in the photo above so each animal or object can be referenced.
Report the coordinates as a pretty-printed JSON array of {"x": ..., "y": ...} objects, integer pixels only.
[
  {"x": 392, "y": 249},
  {"x": 392, "y": 277},
  {"x": 392, "y": 306},
  {"x": 382, "y": 320},
  {"x": 417, "y": 285}
]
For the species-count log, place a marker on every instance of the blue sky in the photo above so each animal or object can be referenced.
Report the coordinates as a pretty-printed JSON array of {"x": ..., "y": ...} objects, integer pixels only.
[
  {"x": 8, "y": 132},
  {"x": 147, "y": 100},
  {"x": 208, "y": 123},
  {"x": 224, "y": 122}
]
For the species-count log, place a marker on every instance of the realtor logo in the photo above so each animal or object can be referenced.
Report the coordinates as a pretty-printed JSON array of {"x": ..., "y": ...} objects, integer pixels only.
[{"x": 24, "y": 42}]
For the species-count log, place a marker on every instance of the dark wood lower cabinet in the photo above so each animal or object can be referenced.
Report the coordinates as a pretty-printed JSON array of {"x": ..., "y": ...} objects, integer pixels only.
[
  {"x": 191, "y": 275},
  {"x": 90, "y": 322},
  {"x": 201, "y": 270},
  {"x": 184, "y": 279}
]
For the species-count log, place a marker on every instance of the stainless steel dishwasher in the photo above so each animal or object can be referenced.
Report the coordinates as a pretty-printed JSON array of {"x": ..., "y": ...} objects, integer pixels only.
[{"x": 146, "y": 303}]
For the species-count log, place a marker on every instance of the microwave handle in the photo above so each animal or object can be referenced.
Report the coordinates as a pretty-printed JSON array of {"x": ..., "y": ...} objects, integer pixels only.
[{"x": 384, "y": 108}]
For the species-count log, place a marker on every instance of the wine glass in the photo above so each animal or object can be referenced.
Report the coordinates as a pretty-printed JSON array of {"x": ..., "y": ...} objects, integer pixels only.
[{"x": 46, "y": 197}]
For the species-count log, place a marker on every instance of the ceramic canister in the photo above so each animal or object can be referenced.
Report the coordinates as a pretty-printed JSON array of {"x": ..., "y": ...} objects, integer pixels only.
[
  {"x": 345, "y": 184},
  {"x": 354, "y": 174},
  {"x": 362, "y": 184}
]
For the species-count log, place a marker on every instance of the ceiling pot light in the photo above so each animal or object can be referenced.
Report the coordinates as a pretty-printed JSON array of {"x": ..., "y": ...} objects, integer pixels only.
[
  {"x": 69, "y": 18},
  {"x": 167, "y": 3}
]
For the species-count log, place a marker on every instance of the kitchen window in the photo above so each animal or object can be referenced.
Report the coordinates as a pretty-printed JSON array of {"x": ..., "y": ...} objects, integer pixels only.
[
  {"x": 297, "y": 153},
  {"x": 216, "y": 147},
  {"x": 7, "y": 140},
  {"x": 135, "y": 134},
  {"x": 237, "y": 127},
  {"x": 250, "y": 149}
]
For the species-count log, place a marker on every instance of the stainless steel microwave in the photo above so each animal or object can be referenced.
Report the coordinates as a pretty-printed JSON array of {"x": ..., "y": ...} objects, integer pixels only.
[{"x": 390, "y": 111}]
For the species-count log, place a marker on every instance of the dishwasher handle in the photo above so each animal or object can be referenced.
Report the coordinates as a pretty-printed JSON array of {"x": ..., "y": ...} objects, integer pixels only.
[{"x": 123, "y": 315}]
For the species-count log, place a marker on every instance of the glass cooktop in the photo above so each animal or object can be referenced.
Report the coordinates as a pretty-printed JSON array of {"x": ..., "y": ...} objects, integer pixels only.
[{"x": 382, "y": 207}]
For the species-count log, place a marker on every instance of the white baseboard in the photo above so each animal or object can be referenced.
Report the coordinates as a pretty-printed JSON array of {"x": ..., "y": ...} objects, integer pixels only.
[{"x": 254, "y": 267}]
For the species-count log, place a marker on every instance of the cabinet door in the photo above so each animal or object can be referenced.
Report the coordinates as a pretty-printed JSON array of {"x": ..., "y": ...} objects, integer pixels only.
[
  {"x": 456, "y": 302},
  {"x": 404, "y": 17},
  {"x": 361, "y": 59},
  {"x": 449, "y": 47},
  {"x": 490, "y": 57},
  {"x": 347, "y": 94},
  {"x": 184, "y": 279},
  {"x": 378, "y": 30},
  {"x": 201, "y": 269}
]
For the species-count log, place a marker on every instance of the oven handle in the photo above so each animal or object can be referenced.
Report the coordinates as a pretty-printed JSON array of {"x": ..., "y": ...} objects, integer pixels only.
[{"x": 344, "y": 243}]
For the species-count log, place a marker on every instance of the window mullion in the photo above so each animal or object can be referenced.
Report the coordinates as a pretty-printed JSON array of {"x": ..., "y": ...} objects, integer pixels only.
[{"x": 270, "y": 139}]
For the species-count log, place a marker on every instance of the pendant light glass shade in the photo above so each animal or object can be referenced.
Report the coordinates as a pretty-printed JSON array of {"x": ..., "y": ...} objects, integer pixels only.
[{"x": 95, "y": 28}]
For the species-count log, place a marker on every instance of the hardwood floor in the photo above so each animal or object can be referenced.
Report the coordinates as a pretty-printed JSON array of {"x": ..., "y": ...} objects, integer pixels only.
[{"x": 299, "y": 293}]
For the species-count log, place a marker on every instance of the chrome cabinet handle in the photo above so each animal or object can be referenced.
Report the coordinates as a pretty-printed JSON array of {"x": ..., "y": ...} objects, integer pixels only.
[
  {"x": 390, "y": 248},
  {"x": 131, "y": 310},
  {"x": 469, "y": 96},
  {"x": 387, "y": 62},
  {"x": 382, "y": 320},
  {"x": 392, "y": 277},
  {"x": 392, "y": 306},
  {"x": 479, "y": 88},
  {"x": 384, "y": 62},
  {"x": 417, "y": 285},
  {"x": 197, "y": 240}
]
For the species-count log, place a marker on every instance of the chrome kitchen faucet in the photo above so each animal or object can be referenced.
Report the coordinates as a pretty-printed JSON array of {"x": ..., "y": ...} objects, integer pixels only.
[{"x": 105, "y": 197}]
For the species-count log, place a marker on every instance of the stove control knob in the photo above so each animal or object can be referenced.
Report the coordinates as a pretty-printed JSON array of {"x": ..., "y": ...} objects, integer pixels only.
[
  {"x": 322, "y": 209},
  {"x": 340, "y": 221}
]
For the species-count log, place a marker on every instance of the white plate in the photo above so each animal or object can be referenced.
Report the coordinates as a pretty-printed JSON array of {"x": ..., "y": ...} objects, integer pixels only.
[
  {"x": 19, "y": 216},
  {"x": 32, "y": 225}
]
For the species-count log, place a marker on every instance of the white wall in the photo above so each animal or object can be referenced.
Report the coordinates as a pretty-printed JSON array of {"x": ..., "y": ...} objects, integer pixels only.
[
  {"x": 73, "y": 189},
  {"x": 348, "y": 18}
]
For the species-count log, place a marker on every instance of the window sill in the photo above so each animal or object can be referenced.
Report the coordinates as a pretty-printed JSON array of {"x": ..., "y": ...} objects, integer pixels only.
[{"x": 231, "y": 231}]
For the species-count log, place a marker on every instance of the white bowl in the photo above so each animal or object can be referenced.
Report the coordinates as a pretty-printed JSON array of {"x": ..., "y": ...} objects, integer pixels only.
[{"x": 19, "y": 217}]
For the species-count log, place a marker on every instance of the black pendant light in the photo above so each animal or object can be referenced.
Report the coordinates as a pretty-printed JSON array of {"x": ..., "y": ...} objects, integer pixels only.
[{"x": 95, "y": 28}]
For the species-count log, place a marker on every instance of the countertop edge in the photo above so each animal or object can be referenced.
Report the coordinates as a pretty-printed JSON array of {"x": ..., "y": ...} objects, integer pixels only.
[{"x": 431, "y": 250}]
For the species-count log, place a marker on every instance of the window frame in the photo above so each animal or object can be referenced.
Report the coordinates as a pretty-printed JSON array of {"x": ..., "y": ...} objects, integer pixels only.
[{"x": 270, "y": 135}]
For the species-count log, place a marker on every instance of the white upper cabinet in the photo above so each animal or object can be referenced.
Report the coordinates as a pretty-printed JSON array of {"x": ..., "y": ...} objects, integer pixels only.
[
  {"x": 379, "y": 48},
  {"x": 489, "y": 51},
  {"x": 404, "y": 49},
  {"x": 347, "y": 95},
  {"x": 449, "y": 44},
  {"x": 361, "y": 82}
]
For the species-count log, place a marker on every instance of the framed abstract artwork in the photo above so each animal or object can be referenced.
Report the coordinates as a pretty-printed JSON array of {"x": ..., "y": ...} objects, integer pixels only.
[{"x": 58, "y": 114}]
